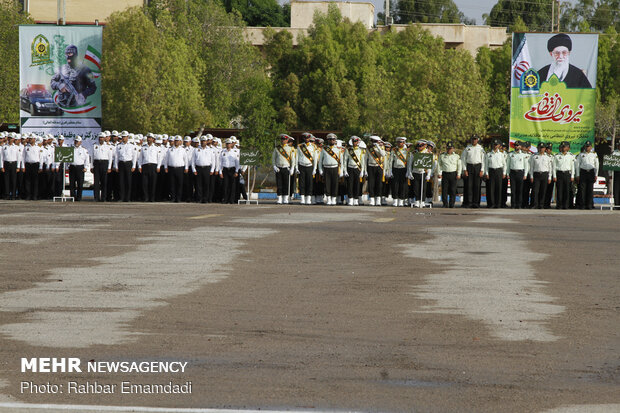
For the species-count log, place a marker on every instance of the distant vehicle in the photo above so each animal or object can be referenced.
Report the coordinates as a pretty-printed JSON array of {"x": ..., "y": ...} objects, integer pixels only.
[{"x": 37, "y": 100}]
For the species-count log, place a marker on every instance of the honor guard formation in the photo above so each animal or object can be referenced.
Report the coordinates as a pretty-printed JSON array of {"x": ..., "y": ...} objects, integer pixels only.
[
  {"x": 157, "y": 168},
  {"x": 331, "y": 172},
  {"x": 125, "y": 167}
]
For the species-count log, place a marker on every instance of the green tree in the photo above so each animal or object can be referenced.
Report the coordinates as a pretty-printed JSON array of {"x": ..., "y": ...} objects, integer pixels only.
[
  {"x": 428, "y": 11},
  {"x": 261, "y": 13},
  {"x": 494, "y": 68},
  {"x": 10, "y": 17},
  {"x": 148, "y": 85},
  {"x": 535, "y": 13}
]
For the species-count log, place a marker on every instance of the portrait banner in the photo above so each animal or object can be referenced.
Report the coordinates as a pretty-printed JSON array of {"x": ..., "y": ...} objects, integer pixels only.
[
  {"x": 60, "y": 80},
  {"x": 553, "y": 88}
]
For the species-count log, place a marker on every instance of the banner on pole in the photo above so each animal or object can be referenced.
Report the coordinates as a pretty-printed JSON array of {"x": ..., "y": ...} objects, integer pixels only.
[
  {"x": 60, "y": 80},
  {"x": 64, "y": 153},
  {"x": 553, "y": 88},
  {"x": 422, "y": 160}
]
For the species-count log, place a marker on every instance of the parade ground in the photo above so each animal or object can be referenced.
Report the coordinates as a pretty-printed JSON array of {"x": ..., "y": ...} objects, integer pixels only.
[{"x": 307, "y": 308}]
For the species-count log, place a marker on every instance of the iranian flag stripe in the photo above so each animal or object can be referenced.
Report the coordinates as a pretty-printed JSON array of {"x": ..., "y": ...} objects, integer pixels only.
[{"x": 94, "y": 56}]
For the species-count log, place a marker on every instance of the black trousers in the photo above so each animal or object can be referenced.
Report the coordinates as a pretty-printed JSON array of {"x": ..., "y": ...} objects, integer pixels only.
[
  {"x": 586, "y": 188},
  {"x": 494, "y": 188},
  {"x": 331, "y": 181},
  {"x": 283, "y": 181},
  {"x": 539, "y": 189},
  {"x": 229, "y": 184},
  {"x": 10, "y": 180},
  {"x": 353, "y": 183},
  {"x": 59, "y": 180},
  {"x": 124, "y": 180},
  {"x": 516, "y": 188},
  {"x": 526, "y": 200},
  {"x": 305, "y": 180},
  {"x": 419, "y": 186},
  {"x": 504, "y": 192},
  {"x": 161, "y": 191},
  {"x": 175, "y": 181},
  {"x": 31, "y": 181},
  {"x": 562, "y": 189},
  {"x": 149, "y": 181},
  {"x": 188, "y": 190},
  {"x": 399, "y": 183},
  {"x": 45, "y": 182},
  {"x": 549, "y": 194},
  {"x": 616, "y": 188},
  {"x": 203, "y": 180},
  {"x": 113, "y": 189},
  {"x": 136, "y": 186},
  {"x": 100, "y": 176},
  {"x": 76, "y": 181},
  {"x": 448, "y": 189},
  {"x": 473, "y": 184},
  {"x": 375, "y": 179}
]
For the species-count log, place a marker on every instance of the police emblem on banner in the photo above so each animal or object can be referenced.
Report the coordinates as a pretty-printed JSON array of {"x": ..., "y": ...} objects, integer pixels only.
[
  {"x": 41, "y": 52},
  {"x": 530, "y": 82}
]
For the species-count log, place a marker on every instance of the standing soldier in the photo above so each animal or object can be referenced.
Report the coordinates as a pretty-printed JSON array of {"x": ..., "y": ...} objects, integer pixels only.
[
  {"x": 32, "y": 160},
  {"x": 527, "y": 201},
  {"x": 375, "y": 169},
  {"x": 59, "y": 171},
  {"x": 355, "y": 168},
  {"x": 329, "y": 165},
  {"x": 125, "y": 164},
  {"x": 187, "y": 178},
  {"x": 472, "y": 159},
  {"x": 283, "y": 160},
  {"x": 540, "y": 169},
  {"x": 586, "y": 170},
  {"x": 176, "y": 165},
  {"x": 397, "y": 170},
  {"x": 616, "y": 178},
  {"x": 149, "y": 165},
  {"x": 418, "y": 176},
  {"x": 318, "y": 185},
  {"x": 113, "y": 183},
  {"x": 449, "y": 171},
  {"x": 161, "y": 184},
  {"x": 518, "y": 170},
  {"x": 563, "y": 175},
  {"x": 229, "y": 170},
  {"x": 45, "y": 174},
  {"x": 505, "y": 180},
  {"x": 551, "y": 185},
  {"x": 202, "y": 164},
  {"x": 10, "y": 163},
  {"x": 102, "y": 165},
  {"x": 81, "y": 161},
  {"x": 306, "y": 165},
  {"x": 495, "y": 170}
]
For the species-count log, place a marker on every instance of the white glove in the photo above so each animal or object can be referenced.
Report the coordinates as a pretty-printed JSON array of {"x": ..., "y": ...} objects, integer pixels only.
[
  {"x": 276, "y": 169},
  {"x": 340, "y": 175},
  {"x": 346, "y": 174},
  {"x": 313, "y": 172},
  {"x": 409, "y": 175},
  {"x": 80, "y": 99},
  {"x": 292, "y": 172}
]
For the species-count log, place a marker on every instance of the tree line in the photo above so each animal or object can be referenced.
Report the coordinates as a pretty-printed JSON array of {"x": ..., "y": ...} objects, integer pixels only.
[{"x": 179, "y": 65}]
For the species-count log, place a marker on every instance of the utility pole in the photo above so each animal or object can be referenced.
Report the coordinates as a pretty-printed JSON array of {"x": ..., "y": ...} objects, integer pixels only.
[
  {"x": 552, "y": 14},
  {"x": 387, "y": 12}
]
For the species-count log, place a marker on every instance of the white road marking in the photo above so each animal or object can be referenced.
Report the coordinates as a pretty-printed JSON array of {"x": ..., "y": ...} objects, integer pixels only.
[
  {"x": 304, "y": 217},
  {"x": 95, "y": 305},
  {"x": 53, "y": 408},
  {"x": 205, "y": 216},
  {"x": 489, "y": 276}
]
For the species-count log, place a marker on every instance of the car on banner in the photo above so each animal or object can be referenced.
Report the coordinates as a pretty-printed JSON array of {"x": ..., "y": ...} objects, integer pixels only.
[{"x": 37, "y": 100}]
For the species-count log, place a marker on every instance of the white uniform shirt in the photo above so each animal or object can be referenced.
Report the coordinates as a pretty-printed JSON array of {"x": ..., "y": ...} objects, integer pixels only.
[
  {"x": 302, "y": 160},
  {"x": 540, "y": 163},
  {"x": 587, "y": 161},
  {"x": 229, "y": 159},
  {"x": 176, "y": 158},
  {"x": 80, "y": 157},
  {"x": 518, "y": 161},
  {"x": 32, "y": 154},
  {"x": 126, "y": 152},
  {"x": 102, "y": 152},
  {"x": 150, "y": 154},
  {"x": 472, "y": 155},
  {"x": 495, "y": 160},
  {"x": 203, "y": 157},
  {"x": 564, "y": 163},
  {"x": 10, "y": 153}
]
